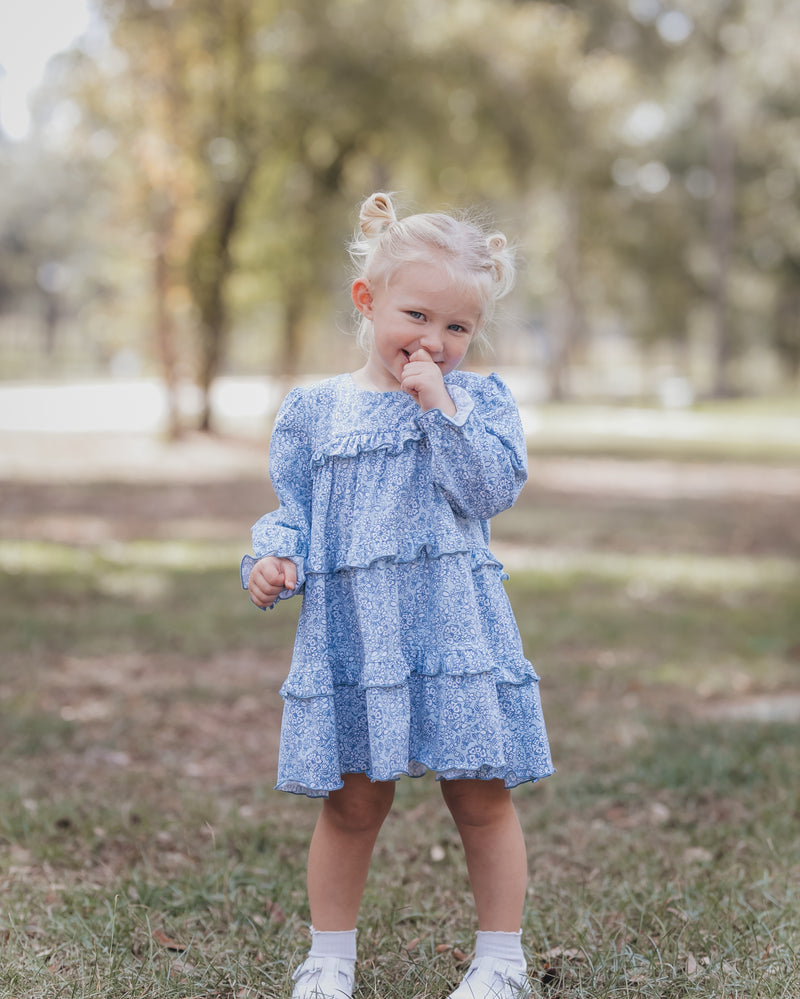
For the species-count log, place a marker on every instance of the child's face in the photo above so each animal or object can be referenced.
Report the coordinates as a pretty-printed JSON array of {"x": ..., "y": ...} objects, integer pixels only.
[{"x": 422, "y": 306}]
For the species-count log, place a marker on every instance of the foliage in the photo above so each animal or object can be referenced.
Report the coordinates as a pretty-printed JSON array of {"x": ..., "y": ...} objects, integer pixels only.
[{"x": 642, "y": 154}]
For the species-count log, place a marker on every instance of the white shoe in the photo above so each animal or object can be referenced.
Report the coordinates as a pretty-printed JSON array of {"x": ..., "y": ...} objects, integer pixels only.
[
  {"x": 488, "y": 978},
  {"x": 324, "y": 978}
]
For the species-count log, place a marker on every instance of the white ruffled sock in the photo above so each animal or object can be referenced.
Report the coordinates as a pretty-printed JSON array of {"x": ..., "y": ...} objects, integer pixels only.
[
  {"x": 501, "y": 946},
  {"x": 333, "y": 943}
]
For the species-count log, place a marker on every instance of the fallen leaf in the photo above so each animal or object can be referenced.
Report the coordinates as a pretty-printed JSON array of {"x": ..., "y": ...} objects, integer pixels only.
[
  {"x": 442, "y": 948},
  {"x": 161, "y": 938},
  {"x": 413, "y": 944},
  {"x": 459, "y": 954},
  {"x": 570, "y": 953},
  {"x": 659, "y": 813},
  {"x": 697, "y": 855}
]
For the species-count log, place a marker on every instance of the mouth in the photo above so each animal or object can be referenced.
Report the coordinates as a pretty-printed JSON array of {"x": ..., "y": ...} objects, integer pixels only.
[{"x": 406, "y": 353}]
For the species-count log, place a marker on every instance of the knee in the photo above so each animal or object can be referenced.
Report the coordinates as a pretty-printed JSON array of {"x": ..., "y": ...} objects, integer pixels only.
[
  {"x": 361, "y": 805},
  {"x": 477, "y": 804}
]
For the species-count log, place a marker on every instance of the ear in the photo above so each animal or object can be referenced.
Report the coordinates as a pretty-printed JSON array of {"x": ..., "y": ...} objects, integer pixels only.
[{"x": 362, "y": 297}]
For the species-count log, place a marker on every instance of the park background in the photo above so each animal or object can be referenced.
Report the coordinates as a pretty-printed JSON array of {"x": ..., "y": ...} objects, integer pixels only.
[{"x": 174, "y": 213}]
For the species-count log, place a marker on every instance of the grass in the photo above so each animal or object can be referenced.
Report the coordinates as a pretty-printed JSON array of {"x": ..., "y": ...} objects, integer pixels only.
[{"x": 143, "y": 853}]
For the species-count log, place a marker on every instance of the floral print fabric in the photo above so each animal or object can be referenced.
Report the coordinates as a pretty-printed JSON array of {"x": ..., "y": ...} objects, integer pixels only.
[{"x": 407, "y": 656}]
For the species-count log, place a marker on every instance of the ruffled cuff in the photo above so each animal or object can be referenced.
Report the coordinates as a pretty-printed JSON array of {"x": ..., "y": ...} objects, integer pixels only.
[
  {"x": 246, "y": 567},
  {"x": 463, "y": 403}
]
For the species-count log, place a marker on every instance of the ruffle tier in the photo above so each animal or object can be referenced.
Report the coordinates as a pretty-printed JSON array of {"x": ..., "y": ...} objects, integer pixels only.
[
  {"x": 366, "y": 463},
  {"x": 391, "y": 441},
  {"x": 405, "y": 668}
]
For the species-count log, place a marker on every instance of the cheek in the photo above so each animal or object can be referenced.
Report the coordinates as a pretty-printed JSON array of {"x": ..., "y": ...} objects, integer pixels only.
[{"x": 459, "y": 348}]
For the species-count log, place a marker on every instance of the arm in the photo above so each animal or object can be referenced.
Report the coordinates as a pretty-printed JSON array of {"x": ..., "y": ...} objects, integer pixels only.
[
  {"x": 479, "y": 456},
  {"x": 280, "y": 538}
]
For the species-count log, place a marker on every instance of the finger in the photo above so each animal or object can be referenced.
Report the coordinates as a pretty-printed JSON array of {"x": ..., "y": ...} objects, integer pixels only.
[
  {"x": 270, "y": 576},
  {"x": 273, "y": 571},
  {"x": 420, "y": 354},
  {"x": 289, "y": 575},
  {"x": 258, "y": 598},
  {"x": 410, "y": 382},
  {"x": 260, "y": 586}
]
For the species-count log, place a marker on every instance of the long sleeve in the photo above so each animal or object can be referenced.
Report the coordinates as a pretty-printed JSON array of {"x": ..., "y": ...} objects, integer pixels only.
[
  {"x": 284, "y": 532},
  {"x": 479, "y": 456}
]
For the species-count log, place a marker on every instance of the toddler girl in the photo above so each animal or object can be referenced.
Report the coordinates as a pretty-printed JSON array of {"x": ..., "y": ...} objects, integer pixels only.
[{"x": 407, "y": 656}]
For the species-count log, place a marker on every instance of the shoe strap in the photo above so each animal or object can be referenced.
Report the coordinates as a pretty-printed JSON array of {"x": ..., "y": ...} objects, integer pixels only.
[{"x": 328, "y": 972}]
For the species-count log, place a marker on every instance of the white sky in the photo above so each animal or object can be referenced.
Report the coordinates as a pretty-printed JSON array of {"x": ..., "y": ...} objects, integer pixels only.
[{"x": 31, "y": 31}]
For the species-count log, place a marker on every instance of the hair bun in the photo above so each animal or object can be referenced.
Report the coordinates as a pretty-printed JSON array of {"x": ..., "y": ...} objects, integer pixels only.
[
  {"x": 497, "y": 243},
  {"x": 502, "y": 257},
  {"x": 377, "y": 213}
]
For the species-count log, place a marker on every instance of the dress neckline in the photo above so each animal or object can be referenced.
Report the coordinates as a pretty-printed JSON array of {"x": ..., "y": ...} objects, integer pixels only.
[{"x": 369, "y": 391}]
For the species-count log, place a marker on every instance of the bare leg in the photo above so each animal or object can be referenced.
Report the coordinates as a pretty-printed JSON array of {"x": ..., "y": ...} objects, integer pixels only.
[
  {"x": 341, "y": 848},
  {"x": 494, "y": 847}
]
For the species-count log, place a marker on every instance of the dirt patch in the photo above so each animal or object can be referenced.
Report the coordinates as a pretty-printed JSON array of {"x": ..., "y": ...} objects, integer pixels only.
[
  {"x": 215, "y": 722},
  {"x": 663, "y": 479},
  {"x": 90, "y": 489},
  {"x": 47, "y": 457},
  {"x": 138, "y": 458}
]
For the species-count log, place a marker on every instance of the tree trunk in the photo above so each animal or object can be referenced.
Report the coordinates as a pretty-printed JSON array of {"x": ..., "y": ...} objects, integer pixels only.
[
  {"x": 293, "y": 312},
  {"x": 787, "y": 331},
  {"x": 164, "y": 325},
  {"x": 569, "y": 324},
  {"x": 722, "y": 162},
  {"x": 210, "y": 266}
]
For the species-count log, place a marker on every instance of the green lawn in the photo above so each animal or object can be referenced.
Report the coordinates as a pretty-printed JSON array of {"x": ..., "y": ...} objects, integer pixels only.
[{"x": 144, "y": 854}]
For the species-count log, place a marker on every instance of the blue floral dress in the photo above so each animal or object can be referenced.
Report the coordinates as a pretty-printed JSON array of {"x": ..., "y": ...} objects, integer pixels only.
[{"x": 407, "y": 656}]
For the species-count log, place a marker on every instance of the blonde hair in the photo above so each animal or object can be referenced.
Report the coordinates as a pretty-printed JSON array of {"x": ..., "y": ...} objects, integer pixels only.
[{"x": 476, "y": 258}]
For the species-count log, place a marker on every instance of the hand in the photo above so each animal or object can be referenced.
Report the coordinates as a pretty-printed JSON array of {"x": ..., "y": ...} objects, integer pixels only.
[
  {"x": 270, "y": 576},
  {"x": 423, "y": 381}
]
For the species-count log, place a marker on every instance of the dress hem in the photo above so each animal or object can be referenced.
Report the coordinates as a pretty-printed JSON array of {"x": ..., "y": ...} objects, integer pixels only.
[{"x": 510, "y": 779}]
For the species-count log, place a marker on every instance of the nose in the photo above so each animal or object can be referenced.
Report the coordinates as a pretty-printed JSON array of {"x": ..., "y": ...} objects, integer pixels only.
[{"x": 432, "y": 339}]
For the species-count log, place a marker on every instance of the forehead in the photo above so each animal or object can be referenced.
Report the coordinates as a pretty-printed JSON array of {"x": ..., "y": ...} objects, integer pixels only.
[{"x": 444, "y": 286}]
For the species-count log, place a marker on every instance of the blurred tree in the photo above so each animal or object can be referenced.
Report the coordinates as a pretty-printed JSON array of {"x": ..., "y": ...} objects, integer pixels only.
[
  {"x": 740, "y": 65},
  {"x": 356, "y": 95},
  {"x": 711, "y": 124},
  {"x": 769, "y": 152},
  {"x": 193, "y": 106},
  {"x": 47, "y": 255},
  {"x": 644, "y": 152},
  {"x": 546, "y": 110},
  {"x": 259, "y": 116}
]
